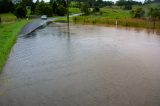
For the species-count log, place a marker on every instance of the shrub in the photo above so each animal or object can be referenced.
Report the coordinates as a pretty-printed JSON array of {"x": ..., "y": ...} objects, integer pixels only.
[
  {"x": 61, "y": 10},
  {"x": 20, "y": 11}
]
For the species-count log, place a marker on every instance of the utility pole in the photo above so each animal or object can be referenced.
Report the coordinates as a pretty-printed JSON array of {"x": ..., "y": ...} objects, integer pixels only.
[
  {"x": 68, "y": 18},
  {"x": 68, "y": 13}
]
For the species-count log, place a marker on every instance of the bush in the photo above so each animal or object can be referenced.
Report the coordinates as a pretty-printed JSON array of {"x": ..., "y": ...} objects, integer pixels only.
[
  {"x": 61, "y": 10},
  {"x": 44, "y": 9},
  {"x": 20, "y": 11}
]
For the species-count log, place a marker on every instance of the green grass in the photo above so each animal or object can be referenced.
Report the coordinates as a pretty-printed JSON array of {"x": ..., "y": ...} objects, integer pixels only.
[
  {"x": 7, "y": 17},
  {"x": 113, "y": 13},
  {"x": 8, "y": 35},
  {"x": 74, "y": 10}
]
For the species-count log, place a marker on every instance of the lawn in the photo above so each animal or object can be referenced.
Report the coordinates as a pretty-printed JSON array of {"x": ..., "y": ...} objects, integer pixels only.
[{"x": 8, "y": 35}]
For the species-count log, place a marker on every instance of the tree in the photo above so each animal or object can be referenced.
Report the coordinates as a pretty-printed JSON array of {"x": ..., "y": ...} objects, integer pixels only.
[
  {"x": 20, "y": 11},
  {"x": 154, "y": 14},
  {"x": 54, "y": 7},
  {"x": 96, "y": 9},
  {"x": 120, "y": 2},
  {"x": 108, "y": 3},
  {"x": 61, "y": 10},
  {"x": 27, "y": 2},
  {"x": 44, "y": 9},
  {"x": 128, "y": 7},
  {"x": 99, "y": 3},
  {"x": 6, "y": 6},
  {"x": 157, "y": 1},
  {"x": 85, "y": 8},
  {"x": 33, "y": 7},
  {"x": 138, "y": 13},
  {"x": 127, "y": 2},
  {"x": 147, "y": 1}
]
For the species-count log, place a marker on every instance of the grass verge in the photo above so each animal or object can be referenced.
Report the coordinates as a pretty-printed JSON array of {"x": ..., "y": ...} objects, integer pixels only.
[
  {"x": 8, "y": 35},
  {"x": 8, "y": 17}
]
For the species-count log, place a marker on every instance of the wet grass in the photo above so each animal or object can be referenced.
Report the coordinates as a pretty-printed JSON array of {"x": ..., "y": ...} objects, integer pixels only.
[
  {"x": 8, "y": 35},
  {"x": 129, "y": 22}
]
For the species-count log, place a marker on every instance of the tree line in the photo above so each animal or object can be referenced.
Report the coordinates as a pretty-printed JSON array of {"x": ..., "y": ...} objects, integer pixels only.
[
  {"x": 59, "y": 7},
  {"x": 19, "y": 8}
]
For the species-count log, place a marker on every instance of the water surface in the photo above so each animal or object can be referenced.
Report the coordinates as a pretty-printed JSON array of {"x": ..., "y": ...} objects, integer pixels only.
[{"x": 93, "y": 66}]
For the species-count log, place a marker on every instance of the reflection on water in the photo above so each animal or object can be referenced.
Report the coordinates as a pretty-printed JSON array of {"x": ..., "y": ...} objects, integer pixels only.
[{"x": 86, "y": 66}]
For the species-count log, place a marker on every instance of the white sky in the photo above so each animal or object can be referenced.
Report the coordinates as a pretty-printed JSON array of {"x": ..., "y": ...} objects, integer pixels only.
[{"x": 104, "y": 0}]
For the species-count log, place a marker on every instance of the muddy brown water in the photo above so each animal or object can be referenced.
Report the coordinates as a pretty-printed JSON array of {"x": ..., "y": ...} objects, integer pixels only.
[{"x": 93, "y": 66}]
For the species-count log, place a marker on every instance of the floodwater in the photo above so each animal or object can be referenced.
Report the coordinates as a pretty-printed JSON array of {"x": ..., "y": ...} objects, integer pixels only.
[{"x": 93, "y": 66}]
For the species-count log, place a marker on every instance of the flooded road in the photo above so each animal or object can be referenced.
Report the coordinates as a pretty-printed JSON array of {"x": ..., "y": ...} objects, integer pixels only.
[{"x": 93, "y": 66}]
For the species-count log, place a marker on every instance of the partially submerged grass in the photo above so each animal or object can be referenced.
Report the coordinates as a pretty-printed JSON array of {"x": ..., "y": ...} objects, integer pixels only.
[
  {"x": 122, "y": 22},
  {"x": 63, "y": 19},
  {"x": 8, "y": 35}
]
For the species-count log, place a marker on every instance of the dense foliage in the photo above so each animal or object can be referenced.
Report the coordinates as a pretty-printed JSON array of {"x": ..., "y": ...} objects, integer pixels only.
[
  {"x": 44, "y": 9},
  {"x": 61, "y": 10},
  {"x": 138, "y": 13},
  {"x": 85, "y": 8},
  {"x": 59, "y": 7},
  {"x": 154, "y": 13},
  {"x": 127, "y": 2},
  {"x": 20, "y": 11},
  {"x": 6, "y": 6}
]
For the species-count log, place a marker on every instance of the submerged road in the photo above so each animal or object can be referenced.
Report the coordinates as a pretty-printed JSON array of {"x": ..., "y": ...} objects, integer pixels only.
[{"x": 93, "y": 66}]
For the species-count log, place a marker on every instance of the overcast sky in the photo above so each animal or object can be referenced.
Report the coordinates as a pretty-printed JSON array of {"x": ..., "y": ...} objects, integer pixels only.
[{"x": 104, "y": 0}]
